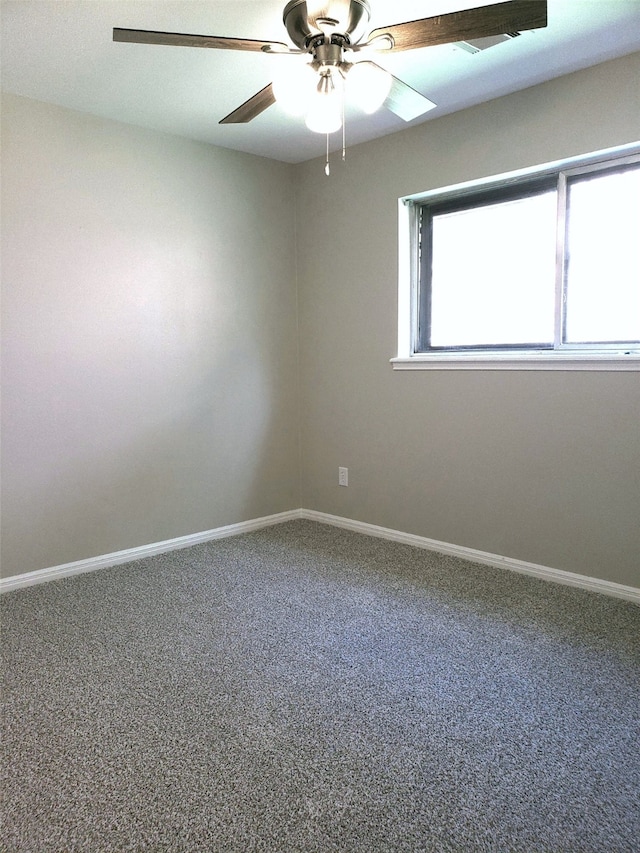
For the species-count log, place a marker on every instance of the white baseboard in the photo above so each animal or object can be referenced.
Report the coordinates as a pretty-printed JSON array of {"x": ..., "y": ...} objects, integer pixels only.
[
  {"x": 629, "y": 593},
  {"x": 118, "y": 557},
  {"x": 617, "y": 590}
]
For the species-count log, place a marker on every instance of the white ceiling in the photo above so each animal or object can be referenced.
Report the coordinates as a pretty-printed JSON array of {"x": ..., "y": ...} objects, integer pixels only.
[{"x": 61, "y": 51}]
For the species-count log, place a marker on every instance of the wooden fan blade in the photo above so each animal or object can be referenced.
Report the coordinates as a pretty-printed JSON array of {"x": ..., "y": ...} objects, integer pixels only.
[
  {"x": 406, "y": 102},
  {"x": 186, "y": 40},
  {"x": 509, "y": 17},
  {"x": 251, "y": 108}
]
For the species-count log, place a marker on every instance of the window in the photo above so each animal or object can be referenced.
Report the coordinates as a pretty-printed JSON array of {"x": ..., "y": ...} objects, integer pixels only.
[{"x": 541, "y": 268}]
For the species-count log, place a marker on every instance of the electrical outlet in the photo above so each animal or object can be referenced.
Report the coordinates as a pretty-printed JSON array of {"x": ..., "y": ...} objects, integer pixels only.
[{"x": 343, "y": 476}]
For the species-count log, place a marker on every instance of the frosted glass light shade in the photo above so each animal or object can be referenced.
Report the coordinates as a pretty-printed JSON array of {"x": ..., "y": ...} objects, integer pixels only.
[
  {"x": 325, "y": 113},
  {"x": 325, "y": 106},
  {"x": 293, "y": 87},
  {"x": 368, "y": 86}
]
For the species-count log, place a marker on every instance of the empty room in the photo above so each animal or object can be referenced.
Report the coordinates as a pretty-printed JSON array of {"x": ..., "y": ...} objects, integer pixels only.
[{"x": 320, "y": 426}]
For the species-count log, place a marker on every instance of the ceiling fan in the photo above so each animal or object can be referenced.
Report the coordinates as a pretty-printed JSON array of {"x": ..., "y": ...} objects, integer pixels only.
[{"x": 333, "y": 35}]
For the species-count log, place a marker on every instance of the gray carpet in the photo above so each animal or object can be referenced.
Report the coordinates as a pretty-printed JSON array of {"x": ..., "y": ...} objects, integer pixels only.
[{"x": 304, "y": 688}]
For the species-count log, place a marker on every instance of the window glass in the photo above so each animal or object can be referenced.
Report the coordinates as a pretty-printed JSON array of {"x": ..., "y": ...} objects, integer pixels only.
[
  {"x": 546, "y": 262},
  {"x": 603, "y": 258},
  {"x": 493, "y": 274}
]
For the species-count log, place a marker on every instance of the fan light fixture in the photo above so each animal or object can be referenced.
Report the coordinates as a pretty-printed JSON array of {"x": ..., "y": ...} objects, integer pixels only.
[
  {"x": 326, "y": 30},
  {"x": 368, "y": 85},
  {"x": 326, "y": 105},
  {"x": 320, "y": 94},
  {"x": 294, "y": 90}
]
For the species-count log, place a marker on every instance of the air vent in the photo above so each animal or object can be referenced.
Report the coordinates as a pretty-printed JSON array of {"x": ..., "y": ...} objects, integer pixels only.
[{"x": 476, "y": 45}]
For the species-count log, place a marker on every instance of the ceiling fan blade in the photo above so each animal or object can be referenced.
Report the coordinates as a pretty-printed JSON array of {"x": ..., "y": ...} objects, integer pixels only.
[
  {"x": 186, "y": 40},
  {"x": 509, "y": 17},
  {"x": 406, "y": 102},
  {"x": 251, "y": 108}
]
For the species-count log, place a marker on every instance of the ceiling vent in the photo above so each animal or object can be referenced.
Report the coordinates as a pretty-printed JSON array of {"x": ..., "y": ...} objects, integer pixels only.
[{"x": 476, "y": 45}]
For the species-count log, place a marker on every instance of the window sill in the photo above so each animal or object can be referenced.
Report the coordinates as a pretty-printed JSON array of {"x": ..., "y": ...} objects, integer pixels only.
[{"x": 522, "y": 361}]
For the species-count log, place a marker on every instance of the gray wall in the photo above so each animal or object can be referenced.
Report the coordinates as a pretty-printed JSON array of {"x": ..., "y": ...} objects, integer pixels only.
[
  {"x": 537, "y": 466},
  {"x": 149, "y": 337},
  {"x": 150, "y": 364}
]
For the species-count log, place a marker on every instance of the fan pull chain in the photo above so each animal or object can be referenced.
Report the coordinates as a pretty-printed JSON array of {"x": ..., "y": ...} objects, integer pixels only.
[
  {"x": 327, "y": 170},
  {"x": 344, "y": 134}
]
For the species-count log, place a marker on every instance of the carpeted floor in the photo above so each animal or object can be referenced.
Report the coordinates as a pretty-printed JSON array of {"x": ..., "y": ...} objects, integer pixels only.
[{"x": 305, "y": 688}]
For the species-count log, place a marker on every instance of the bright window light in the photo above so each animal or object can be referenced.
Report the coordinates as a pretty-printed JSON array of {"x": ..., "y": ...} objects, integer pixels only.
[
  {"x": 487, "y": 287},
  {"x": 541, "y": 263},
  {"x": 603, "y": 259}
]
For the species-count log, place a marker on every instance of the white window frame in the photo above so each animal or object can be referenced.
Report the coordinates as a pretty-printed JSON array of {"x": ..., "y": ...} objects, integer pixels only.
[{"x": 576, "y": 357}]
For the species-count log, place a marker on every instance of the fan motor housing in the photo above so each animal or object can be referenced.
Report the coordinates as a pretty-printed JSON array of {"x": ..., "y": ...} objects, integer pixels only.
[{"x": 347, "y": 19}]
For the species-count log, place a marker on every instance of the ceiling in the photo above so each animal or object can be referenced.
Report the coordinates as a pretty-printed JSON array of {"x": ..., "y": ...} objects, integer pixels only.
[{"x": 61, "y": 51}]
